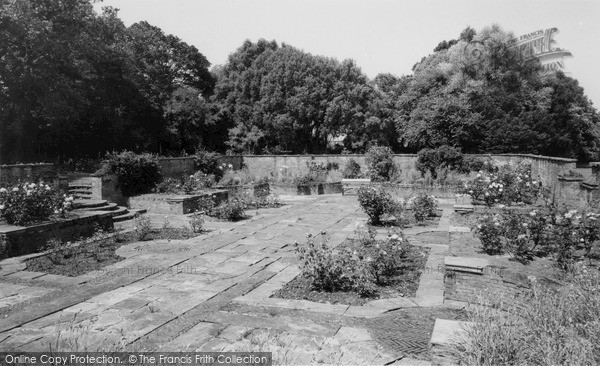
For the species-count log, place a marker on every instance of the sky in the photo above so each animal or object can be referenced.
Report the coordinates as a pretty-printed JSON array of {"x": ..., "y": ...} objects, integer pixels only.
[{"x": 382, "y": 36}]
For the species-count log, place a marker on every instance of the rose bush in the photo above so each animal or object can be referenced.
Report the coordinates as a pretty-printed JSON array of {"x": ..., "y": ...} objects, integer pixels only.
[
  {"x": 30, "y": 203},
  {"x": 508, "y": 185},
  {"x": 568, "y": 235}
]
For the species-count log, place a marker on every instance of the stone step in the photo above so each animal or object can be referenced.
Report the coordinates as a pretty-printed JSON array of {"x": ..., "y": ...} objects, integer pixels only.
[
  {"x": 80, "y": 191},
  {"x": 88, "y": 203},
  {"x": 108, "y": 207},
  {"x": 81, "y": 186}
]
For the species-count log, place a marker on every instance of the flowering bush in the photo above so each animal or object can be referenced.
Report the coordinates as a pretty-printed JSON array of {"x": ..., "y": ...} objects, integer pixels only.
[
  {"x": 29, "y": 203},
  {"x": 357, "y": 270},
  {"x": 381, "y": 165},
  {"x": 138, "y": 173},
  {"x": 424, "y": 206},
  {"x": 489, "y": 231},
  {"x": 231, "y": 211},
  {"x": 208, "y": 163},
  {"x": 390, "y": 258},
  {"x": 352, "y": 170},
  {"x": 508, "y": 186},
  {"x": 567, "y": 235},
  {"x": 377, "y": 203}
]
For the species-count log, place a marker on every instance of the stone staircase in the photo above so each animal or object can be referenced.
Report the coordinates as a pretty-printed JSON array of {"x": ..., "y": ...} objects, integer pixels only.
[{"x": 84, "y": 201}]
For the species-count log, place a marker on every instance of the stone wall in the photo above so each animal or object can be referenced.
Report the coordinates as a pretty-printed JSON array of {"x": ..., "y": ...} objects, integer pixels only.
[
  {"x": 19, "y": 240},
  {"x": 27, "y": 172},
  {"x": 548, "y": 168},
  {"x": 176, "y": 167},
  {"x": 175, "y": 204}
]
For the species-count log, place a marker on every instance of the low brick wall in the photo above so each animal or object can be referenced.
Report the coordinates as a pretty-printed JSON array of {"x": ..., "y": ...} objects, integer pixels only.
[
  {"x": 466, "y": 286},
  {"x": 19, "y": 240},
  {"x": 27, "y": 172},
  {"x": 175, "y": 204}
]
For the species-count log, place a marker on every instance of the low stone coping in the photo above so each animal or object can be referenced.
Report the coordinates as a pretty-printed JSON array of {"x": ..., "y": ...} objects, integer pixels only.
[
  {"x": 464, "y": 208},
  {"x": 466, "y": 264},
  {"x": 446, "y": 331},
  {"x": 459, "y": 229}
]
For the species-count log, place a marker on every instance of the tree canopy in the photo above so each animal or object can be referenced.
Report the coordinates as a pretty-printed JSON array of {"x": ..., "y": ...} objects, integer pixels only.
[{"x": 75, "y": 83}]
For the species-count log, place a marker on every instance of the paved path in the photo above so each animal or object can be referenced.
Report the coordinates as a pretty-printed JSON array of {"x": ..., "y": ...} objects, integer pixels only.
[{"x": 213, "y": 293}]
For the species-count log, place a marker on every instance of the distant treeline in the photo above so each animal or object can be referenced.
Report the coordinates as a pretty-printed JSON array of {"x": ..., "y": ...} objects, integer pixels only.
[{"x": 74, "y": 84}]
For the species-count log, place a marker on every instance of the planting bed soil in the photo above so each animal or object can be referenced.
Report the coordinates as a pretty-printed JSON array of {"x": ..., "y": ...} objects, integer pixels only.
[
  {"x": 405, "y": 285},
  {"x": 92, "y": 256}
]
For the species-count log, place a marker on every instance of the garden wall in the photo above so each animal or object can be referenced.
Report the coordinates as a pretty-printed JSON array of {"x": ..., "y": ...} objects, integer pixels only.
[
  {"x": 27, "y": 172},
  {"x": 19, "y": 240},
  {"x": 176, "y": 167},
  {"x": 175, "y": 204},
  {"x": 548, "y": 168}
]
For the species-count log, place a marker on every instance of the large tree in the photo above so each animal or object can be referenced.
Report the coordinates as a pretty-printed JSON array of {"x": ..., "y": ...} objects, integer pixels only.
[
  {"x": 281, "y": 99},
  {"x": 476, "y": 93},
  {"x": 77, "y": 83}
]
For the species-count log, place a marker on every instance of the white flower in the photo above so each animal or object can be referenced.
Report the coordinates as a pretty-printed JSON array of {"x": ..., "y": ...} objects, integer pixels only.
[
  {"x": 496, "y": 223},
  {"x": 2, "y": 190},
  {"x": 28, "y": 192},
  {"x": 394, "y": 237},
  {"x": 479, "y": 175},
  {"x": 568, "y": 215},
  {"x": 479, "y": 226},
  {"x": 532, "y": 213},
  {"x": 48, "y": 187},
  {"x": 2, "y": 207},
  {"x": 525, "y": 224},
  {"x": 32, "y": 185},
  {"x": 581, "y": 240},
  {"x": 522, "y": 236},
  {"x": 230, "y": 166},
  {"x": 471, "y": 191},
  {"x": 487, "y": 193},
  {"x": 15, "y": 189}
]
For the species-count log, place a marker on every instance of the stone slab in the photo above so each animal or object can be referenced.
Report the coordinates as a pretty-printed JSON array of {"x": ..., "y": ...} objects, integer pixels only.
[
  {"x": 466, "y": 264},
  {"x": 445, "y": 331}
]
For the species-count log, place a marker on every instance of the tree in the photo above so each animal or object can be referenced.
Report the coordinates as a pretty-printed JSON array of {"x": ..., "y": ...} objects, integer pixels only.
[{"x": 479, "y": 95}]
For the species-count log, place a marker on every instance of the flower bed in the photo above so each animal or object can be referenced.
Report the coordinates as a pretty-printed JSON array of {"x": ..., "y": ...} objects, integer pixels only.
[
  {"x": 358, "y": 271},
  {"x": 175, "y": 204},
  {"x": 18, "y": 240},
  {"x": 99, "y": 251}
]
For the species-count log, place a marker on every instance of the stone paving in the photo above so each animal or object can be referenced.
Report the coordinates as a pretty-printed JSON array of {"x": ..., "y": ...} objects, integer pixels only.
[{"x": 213, "y": 293}]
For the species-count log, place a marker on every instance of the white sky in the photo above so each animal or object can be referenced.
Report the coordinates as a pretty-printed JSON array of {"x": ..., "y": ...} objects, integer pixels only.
[{"x": 380, "y": 35}]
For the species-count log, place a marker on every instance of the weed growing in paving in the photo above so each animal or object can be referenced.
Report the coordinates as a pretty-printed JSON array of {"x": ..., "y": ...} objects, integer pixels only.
[
  {"x": 143, "y": 226},
  {"x": 197, "y": 222},
  {"x": 546, "y": 327}
]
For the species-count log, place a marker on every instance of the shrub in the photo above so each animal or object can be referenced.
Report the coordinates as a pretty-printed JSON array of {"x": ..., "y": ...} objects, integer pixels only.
[
  {"x": 424, "y": 206},
  {"x": 317, "y": 173},
  {"x": 352, "y": 170},
  {"x": 390, "y": 258},
  {"x": 490, "y": 231},
  {"x": 431, "y": 160},
  {"x": 359, "y": 270},
  {"x": 328, "y": 270},
  {"x": 208, "y": 163},
  {"x": 168, "y": 185},
  {"x": 376, "y": 203},
  {"x": 381, "y": 165},
  {"x": 138, "y": 173},
  {"x": 509, "y": 185},
  {"x": 231, "y": 211},
  {"x": 30, "y": 203},
  {"x": 365, "y": 235}
]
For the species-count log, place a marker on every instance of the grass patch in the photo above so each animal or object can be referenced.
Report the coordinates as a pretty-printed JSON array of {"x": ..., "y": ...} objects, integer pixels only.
[{"x": 99, "y": 251}]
